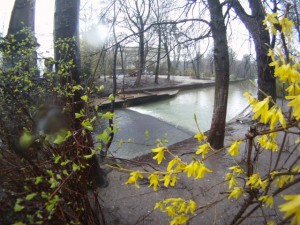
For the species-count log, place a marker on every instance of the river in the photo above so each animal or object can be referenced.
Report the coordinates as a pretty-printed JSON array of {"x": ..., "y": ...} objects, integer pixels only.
[{"x": 179, "y": 111}]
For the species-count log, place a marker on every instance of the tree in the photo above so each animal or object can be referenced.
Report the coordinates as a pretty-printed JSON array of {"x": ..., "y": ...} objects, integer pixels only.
[
  {"x": 22, "y": 16},
  {"x": 137, "y": 16},
  {"x": 221, "y": 60},
  {"x": 261, "y": 37}
]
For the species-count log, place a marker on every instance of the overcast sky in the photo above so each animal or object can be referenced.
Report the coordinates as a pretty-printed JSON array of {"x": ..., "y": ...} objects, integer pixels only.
[{"x": 44, "y": 26}]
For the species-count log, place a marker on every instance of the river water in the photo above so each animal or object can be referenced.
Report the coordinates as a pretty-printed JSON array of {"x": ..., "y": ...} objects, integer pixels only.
[{"x": 179, "y": 111}]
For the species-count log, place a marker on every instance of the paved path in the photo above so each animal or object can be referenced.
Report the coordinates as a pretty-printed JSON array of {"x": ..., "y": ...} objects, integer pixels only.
[{"x": 133, "y": 126}]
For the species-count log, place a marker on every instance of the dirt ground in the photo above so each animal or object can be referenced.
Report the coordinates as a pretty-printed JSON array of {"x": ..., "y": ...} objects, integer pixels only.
[{"x": 127, "y": 205}]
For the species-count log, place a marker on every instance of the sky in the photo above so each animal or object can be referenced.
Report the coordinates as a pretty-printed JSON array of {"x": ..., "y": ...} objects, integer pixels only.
[{"x": 44, "y": 27}]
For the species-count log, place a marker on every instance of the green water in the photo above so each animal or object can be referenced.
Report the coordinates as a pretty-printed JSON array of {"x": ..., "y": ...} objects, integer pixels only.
[{"x": 179, "y": 111}]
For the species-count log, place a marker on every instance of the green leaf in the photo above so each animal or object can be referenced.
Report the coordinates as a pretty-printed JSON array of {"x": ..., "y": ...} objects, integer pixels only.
[
  {"x": 29, "y": 197},
  {"x": 103, "y": 137},
  {"x": 38, "y": 180},
  {"x": 147, "y": 134},
  {"x": 62, "y": 136},
  {"x": 26, "y": 139},
  {"x": 75, "y": 167},
  {"x": 100, "y": 88},
  {"x": 78, "y": 115},
  {"x": 18, "y": 207},
  {"x": 56, "y": 159},
  {"x": 107, "y": 115},
  {"x": 65, "y": 162},
  {"x": 19, "y": 223},
  {"x": 84, "y": 98},
  {"x": 87, "y": 125},
  {"x": 111, "y": 97},
  {"x": 91, "y": 155}
]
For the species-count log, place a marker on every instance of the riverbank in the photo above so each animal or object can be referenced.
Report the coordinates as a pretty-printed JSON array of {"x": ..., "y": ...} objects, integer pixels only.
[{"x": 127, "y": 205}]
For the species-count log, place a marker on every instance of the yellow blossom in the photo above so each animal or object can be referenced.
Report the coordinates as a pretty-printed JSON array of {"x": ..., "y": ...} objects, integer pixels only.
[
  {"x": 134, "y": 176},
  {"x": 260, "y": 109},
  {"x": 268, "y": 142},
  {"x": 267, "y": 200},
  {"x": 236, "y": 193},
  {"x": 236, "y": 170},
  {"x": 234, "y": 148},
  {"x": 271, "y": 222},
  {"x": 172, "y": 163},
  {"x": 203, "y": 149},
  {"x": 283, "y": 180},
  {"x": 286, "y": 26},
  {"x": 293, "y": 89},
  {"x": 291, "y": 208},
  {"x": 255, "y": 181},
  {"x": 191, "y": 207},
  {"x": 181, "y": 219},
  {"x": 275, "y": 115},
  {"x": 295, "y": 103},
  {"x": 170, "y": 179},
  {"x": 191, "y": 168},
  {"x": 250, "y": 98},
  {"x": 160, "y": 154},
  {"x": 200, "y": 136},
  {"x": 154, "y": 181},
  {"x": 271, "y": 17},
  {"x": 232, "y": 182},
  {"x": 201, "y": 171}
]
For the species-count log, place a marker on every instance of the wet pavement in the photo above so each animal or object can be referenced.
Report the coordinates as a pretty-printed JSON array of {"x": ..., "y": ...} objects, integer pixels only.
[{"x": 142, "y": 131}]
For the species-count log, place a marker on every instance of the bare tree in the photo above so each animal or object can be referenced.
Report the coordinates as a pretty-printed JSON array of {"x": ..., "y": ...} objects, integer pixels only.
[
  {"x": 221, "y": 59},
  {"x": 261, "y": 37},
  {"x": 137, "y": 16}
]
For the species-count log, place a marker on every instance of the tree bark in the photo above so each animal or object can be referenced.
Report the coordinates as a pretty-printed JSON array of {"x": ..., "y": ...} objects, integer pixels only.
[
  {"x": 221, "y": 58},
  {"x": 158, "y": 56},
  {"x": 22, "y": 16},
  {"x": 261, "y": 37}
]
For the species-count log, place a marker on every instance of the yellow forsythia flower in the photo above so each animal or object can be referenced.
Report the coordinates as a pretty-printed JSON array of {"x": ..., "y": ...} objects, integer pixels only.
[
  {"x": 160, "y": 154},
  {"x": 203, "y": 149},
  {"x": 201, "y": 171},
  {"x": 291, "y": 208},
  {"x": 283, "y": 180},
  {"x": 200, "y": 136},
  {"x": 271, "y": 222},
  {"x": 172, "y": 163},
  {"x": 170, "y": 179},
  {"x": 236, "y": 193},
  {"x": 154, "y": 181},
  {"x": 268, "y": 142},
  {"x": 286, "y": 26},
  {"x": 181, "y": 219},
  {"x": 255, "y": 181},
  {"x": 293, "y": 89},
  {"x": 295, "y": 103},
  {"x": 236, "y": 170},
  {"x": 267, "y": 200},
  {"x": 232, "y": 182},
  {"x": 260, "y": 109},
  {"x": 196, "y": 169},
  {"x": 234, "y": 148},
  {"x": 134, "y": 176}
]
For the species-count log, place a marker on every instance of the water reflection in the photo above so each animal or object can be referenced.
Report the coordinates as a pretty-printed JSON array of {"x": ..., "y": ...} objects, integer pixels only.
[{"x": 180, "y": 110}]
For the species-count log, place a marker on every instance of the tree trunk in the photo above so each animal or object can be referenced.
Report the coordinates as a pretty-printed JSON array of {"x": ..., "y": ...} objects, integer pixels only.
[
  {"x": 166, "y": 47},
  {"x": 141, "y": 57},
  {"x": 261, "y": 37},
  {"x": 221, "y": 59},
  {"x": 22, "y": 16},
  {"x": 66, "y": 20},
  {"x": 158, "y": 55}
]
